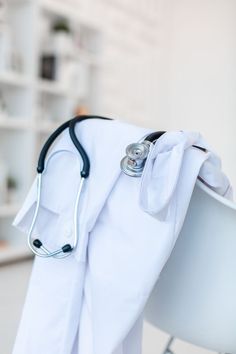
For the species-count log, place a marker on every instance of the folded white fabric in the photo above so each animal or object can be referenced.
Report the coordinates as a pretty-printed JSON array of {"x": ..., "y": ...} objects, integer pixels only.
[
  {"x": 166, "y": 168},
  {"x": 92, "y": 301}
]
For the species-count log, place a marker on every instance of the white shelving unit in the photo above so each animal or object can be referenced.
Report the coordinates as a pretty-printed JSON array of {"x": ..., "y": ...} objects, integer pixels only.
[
  {"x": 10, "y": 78},
  {"x": 34, "y": 107}
]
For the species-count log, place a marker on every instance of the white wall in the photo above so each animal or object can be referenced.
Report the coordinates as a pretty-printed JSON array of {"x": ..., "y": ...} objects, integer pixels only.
[
  {"x": 13, "y": 279},
  {"x": 130, "y": 55},
  {"x": 198, "y": 73}
]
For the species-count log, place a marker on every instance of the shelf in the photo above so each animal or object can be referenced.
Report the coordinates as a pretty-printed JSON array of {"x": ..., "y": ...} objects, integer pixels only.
[
  {"x": 16, "y": 123},
  {"x": 47, "y": 127},
  {"x": 55, "y": 89},
  {"x": 11, "y": 254},
  {"x": 58, "y": 8},
  {"x": 88, "y": 57},
  {"x": 7, "y": 210},
  {"x": 27, "y": 125},
  {"x": 51, "y": 87},
  {"x": 14, "y": 79}
]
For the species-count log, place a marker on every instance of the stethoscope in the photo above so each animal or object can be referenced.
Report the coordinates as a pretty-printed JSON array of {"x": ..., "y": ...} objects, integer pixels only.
[
  {"x": 132, "y": 165},
  {"x": 36, "y": 245}
]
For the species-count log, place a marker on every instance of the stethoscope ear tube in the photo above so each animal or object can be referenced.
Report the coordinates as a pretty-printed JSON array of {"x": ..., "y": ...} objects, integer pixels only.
[
  {"x": 154, "y": 136},
  {"x": 36, "y": 245},
  {"x": 47, "y": 145},
  {"x": 71, "y": 124},
  {"x": 86, "y": 163}
]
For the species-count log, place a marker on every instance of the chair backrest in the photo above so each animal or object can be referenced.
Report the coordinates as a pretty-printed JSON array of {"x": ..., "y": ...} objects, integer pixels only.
[{"x": 194, "y": 298}]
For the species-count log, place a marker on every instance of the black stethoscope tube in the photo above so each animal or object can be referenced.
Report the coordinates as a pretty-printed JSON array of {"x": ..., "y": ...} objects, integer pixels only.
[
  {"x": 47, "y": 145},
  {"x": 86, "y": 163},
  {"x": 154, "y": 136},
  {"x": 71, "y": 124}
]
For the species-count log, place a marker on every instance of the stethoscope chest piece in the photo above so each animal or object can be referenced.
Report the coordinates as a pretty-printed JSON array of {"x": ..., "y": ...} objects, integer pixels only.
[{"x": 136, "y": 154}]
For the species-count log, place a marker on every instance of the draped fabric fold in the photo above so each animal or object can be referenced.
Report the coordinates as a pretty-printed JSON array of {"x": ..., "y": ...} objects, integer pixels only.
[{"x": 164, "y": 169}]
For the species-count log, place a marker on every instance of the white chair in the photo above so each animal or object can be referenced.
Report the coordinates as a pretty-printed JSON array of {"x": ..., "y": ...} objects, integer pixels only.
[{"x": 194, "y": 298}]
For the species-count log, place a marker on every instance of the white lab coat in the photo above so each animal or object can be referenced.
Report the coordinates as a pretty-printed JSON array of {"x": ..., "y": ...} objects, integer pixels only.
[{"x": 92, "y": 301}]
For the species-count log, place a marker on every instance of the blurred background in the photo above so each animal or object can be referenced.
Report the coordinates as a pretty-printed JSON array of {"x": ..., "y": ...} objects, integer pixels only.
[{"x": 162, "y": 64}]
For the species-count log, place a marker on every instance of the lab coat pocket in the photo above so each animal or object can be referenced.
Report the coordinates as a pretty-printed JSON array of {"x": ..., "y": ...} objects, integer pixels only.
[
  {"x": 47, "y": 218},
  {"x": 59, "y": 185}
]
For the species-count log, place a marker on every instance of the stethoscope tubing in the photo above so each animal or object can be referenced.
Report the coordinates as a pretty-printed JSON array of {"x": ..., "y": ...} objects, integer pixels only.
[
  {"x": 36, "y": 244},
  {"x": 71, "y": 125},
  {"x": 86, "y": 163}
]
